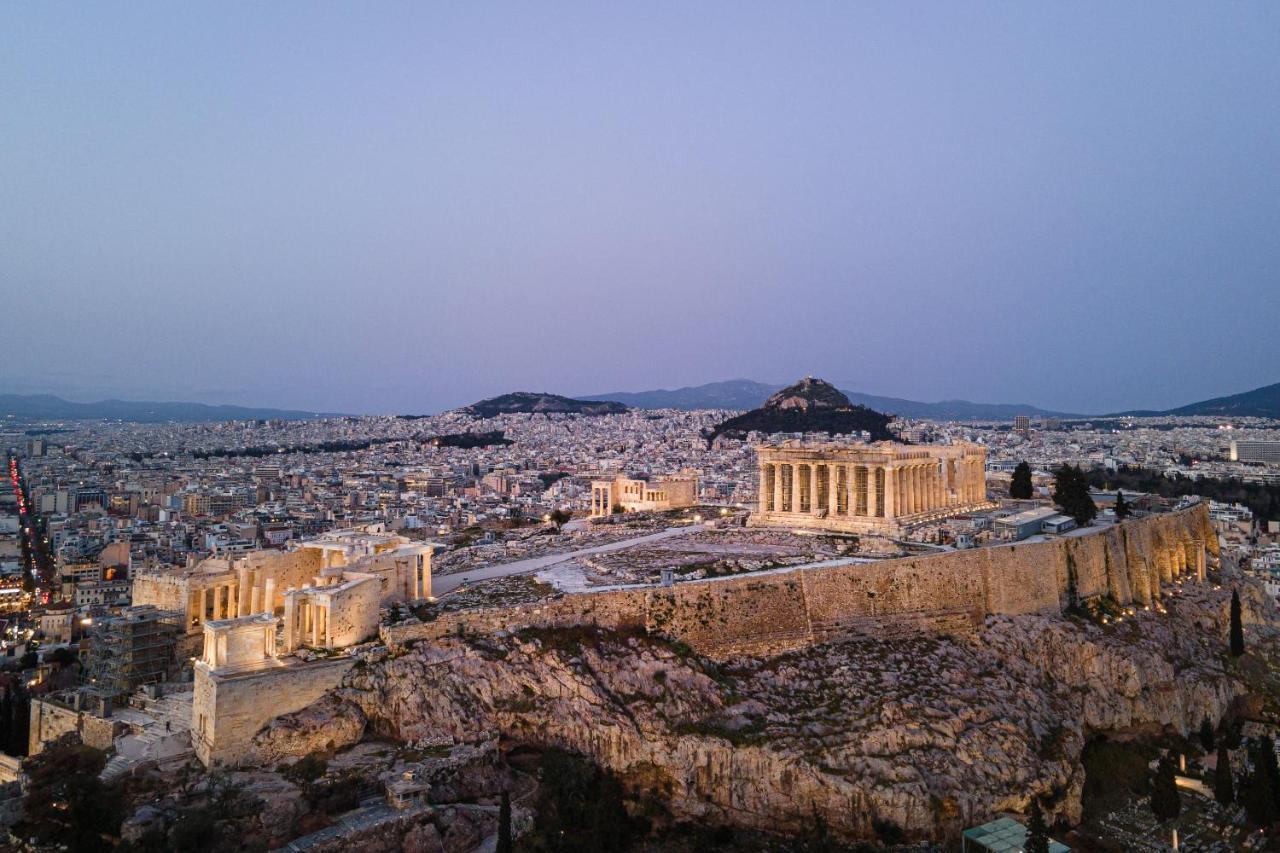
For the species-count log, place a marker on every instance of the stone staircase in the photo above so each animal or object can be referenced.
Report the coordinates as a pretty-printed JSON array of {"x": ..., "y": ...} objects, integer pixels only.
[{"x": 159, "y": 729}]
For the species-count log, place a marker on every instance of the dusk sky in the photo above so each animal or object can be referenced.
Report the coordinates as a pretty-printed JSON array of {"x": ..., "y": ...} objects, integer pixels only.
[{"x": 406, "y": 207}]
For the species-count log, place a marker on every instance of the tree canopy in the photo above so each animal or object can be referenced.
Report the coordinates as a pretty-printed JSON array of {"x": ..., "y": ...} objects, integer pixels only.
[
  {"x": 1020, "y": 486},
  {"x": 1071, "y": 494}
]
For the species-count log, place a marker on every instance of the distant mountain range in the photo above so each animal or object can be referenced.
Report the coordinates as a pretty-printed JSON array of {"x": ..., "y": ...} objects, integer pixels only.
[
  {"x": 528, "y": 402},
  {"x": 1259, "y": 403},
  {"x": 748, "y": 394},
  {"x": 49, "y": 407},
  {"x": 737, "y": 394}
]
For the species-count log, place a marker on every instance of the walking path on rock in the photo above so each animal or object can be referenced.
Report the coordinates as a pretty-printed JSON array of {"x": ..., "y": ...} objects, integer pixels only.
[{"x": 441, "y": 584}]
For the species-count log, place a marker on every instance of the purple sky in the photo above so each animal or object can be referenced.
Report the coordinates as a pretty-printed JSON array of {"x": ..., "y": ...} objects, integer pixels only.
[{"x": 382, "y": 207}]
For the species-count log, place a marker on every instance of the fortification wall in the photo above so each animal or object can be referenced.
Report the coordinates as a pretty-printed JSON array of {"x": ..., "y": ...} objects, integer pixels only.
[
  {"x": 947, "y": 592},
  {"x": 50, "y": 721},
  {"x": 228, "y": 710}
]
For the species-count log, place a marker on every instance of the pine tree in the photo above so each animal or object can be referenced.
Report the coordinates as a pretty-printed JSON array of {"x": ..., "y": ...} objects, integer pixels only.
[
  {"x": 1166, "y": 802},
  {"x": 1206, "y": 735},
  {"x": 1122, "y": 507},
  {"x": 1237, "y": 626},
  {"x": 1223, "y": 783},
  {"x": 504, "y": 824},
  {"x": 1020, "y": 486},
  {"x": 1037, "y": 840}
]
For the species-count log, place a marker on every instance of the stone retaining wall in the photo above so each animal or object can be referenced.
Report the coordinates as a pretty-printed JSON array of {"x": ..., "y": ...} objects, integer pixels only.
[{"x": 948, "y": 592}]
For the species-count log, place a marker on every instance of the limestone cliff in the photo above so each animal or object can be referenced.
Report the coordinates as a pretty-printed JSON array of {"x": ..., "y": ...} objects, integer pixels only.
[{"x": 928, "y": 732}]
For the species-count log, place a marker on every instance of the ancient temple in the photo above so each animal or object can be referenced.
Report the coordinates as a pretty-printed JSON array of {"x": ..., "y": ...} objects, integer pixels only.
[{"x": 867, "y": 488}]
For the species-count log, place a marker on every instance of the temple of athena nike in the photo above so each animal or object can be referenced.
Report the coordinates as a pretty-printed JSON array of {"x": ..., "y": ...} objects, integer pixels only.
[{"x": 867, "y": 488}]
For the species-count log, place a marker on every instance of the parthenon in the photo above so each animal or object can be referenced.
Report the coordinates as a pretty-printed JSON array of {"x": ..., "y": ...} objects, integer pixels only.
[{"x": 867, "y": 488}]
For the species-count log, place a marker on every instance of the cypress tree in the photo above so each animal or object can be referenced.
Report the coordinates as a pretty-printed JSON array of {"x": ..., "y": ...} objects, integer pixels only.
[
  {"x": 1037, "y": 840},
  {"x": 1020, "y": 486},
  {"x": 6, "y": 721},
  {"x": 1166, "y": 802},
  {"x": 1122, "y": 507},
  {"x": 1223, "y": 785},
  {"x": 1258, "y": 793},
  {"x": 504, "y": 824},
  {"x": 1237, "y": 626},
  {"x": 1206, "y": 735}
]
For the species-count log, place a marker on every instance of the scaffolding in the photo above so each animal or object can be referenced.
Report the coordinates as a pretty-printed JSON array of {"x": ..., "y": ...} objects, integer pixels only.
[{"x": 132, "y": 649}]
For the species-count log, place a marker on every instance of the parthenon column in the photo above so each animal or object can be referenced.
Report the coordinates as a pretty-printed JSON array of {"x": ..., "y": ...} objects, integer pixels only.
[
  {"x": 813, "y": 488},
  {"x": 777, "y": 487},
  {"x": 833, "y": 495},
  {"x": 890, "y": 492}
]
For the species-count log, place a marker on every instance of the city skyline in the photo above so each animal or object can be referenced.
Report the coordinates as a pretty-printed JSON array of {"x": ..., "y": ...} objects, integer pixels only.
[{"x": 307, "y": 207}]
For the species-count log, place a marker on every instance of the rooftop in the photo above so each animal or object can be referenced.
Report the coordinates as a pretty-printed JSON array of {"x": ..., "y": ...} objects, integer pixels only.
[{"x": 1004, "y": 835}]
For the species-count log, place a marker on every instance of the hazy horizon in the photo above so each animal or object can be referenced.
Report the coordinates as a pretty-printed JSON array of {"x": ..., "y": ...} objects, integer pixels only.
[
  {"x": 602, "y": 395},
  {"x": 406, "y": 208}
]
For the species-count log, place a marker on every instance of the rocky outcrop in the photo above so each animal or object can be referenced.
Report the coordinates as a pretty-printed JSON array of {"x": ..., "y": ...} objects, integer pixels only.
[
  {"x": 810, "y": 405},
  {"x": 329, "y": 724},
  {"x": 930, "y": 733}
]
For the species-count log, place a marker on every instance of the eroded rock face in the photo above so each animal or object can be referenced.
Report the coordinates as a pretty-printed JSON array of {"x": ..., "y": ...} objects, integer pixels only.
[
  {"x": 929, "y": 733},
  {"x": 329, "y": 724}
]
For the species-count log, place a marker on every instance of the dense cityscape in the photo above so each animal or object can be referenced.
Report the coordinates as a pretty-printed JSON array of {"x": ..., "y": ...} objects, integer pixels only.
[
  {"x": 639, "y": 428},
  {"x": 129, "y": 551}
]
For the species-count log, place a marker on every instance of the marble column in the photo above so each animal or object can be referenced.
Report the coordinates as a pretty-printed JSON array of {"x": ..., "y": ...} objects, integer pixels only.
[
  {"x": 242, "y": 595},
  {"x": 833, "y": 494},
  {"x": 777, "y": 487},
  {"x": 316, "y": 612},
  {"x": 269, "y": 596},
  {"x": 890, "y": 492},
  {"x": 290, "y": 618},
  {"x": 813, "y": 488}
]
